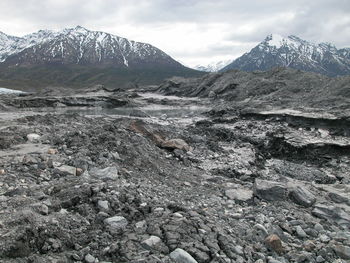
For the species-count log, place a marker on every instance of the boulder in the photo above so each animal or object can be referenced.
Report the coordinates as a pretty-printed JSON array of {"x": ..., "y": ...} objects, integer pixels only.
[
  {"x": 106, "y": 174},
  {"x": 176, "y": 144},
  {"x": 67, "y": 170},
  {"x": 240, "y": 194},
  {"x": 342, "y": 251},
  {"x": 151, "y": 242},
  {"x": 116, "y": 222},
  {"x": 331, "y": 213},
  {"x": 181, "y": 256},
  {"x": 269, "y": 190},
  {"x": 302, "y": 196}
]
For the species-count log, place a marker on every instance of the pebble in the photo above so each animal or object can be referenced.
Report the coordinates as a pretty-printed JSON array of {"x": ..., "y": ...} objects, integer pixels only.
[
  {"x": 2, "y": 171},
  {"x": 44, "y": 210},
  {"x": 318, "y": 227},
  {"x": 52, "y": 151},
  {"x": 274, "y": 242},
  {"x": 300, "y": 232}
]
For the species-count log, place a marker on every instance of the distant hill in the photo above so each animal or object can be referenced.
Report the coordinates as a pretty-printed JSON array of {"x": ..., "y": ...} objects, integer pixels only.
[
  {"x": 78, "y": 56},
  {"x": 296, "y": 53}
]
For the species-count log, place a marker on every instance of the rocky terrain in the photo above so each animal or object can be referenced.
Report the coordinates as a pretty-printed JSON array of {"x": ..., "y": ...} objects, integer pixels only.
[{"x": 103, "y": 175}]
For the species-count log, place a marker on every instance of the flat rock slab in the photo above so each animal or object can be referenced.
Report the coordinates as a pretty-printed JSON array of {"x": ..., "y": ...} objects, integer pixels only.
[
  {"x": 331, "y": 213},
  {"x": 269, "y": 190},
  {"x": 239, "y": 194}
]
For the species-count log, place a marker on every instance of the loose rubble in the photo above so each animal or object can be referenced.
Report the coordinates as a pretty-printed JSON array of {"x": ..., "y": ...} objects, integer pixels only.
[{"x": 220, "y": 187}]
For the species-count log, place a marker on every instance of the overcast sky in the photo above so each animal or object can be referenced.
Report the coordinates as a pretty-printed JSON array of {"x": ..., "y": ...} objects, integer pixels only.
[{"x": 191, "y": 31}]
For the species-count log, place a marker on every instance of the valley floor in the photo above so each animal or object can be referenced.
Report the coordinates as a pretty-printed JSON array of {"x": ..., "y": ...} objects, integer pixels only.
[{"x": 119, "y": 177}]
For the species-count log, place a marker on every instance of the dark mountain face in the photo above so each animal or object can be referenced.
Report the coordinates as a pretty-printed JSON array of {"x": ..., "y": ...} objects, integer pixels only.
[
  {"x": 75, "y": 50},
  {"x": 295, "y": 53}
]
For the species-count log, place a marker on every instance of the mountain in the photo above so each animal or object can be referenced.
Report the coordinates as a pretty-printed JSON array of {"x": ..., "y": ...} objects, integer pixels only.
[
  {"x": 296, "y": 53},
  {"x": 78, "y": 56},
  {"x": 214, "y": 66}
]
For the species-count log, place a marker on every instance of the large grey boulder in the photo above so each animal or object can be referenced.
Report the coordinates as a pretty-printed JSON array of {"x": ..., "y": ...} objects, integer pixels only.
[
  {"x": 181, "y": 256},
  {"x": 239, "y": 194},
  {"x": 342, "y": 251},
  {"x": 106, "y": 174},
  {"x": 116, "y": 222},
  {"x": 302, "y": 196},
  {"x": 269, "y": 190}
]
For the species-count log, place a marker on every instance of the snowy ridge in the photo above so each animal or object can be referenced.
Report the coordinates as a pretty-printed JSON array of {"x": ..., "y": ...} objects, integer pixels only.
[
  {"x": 76, "y": 45},
  {"x": 9, "y": 91},
  {"x": 297, "y": 53}
]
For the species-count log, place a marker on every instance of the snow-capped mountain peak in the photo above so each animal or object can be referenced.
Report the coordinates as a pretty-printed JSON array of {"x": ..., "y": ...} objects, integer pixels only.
[
  {"x": 294, "y": 52},
  {"x": 77, "y": 45}
]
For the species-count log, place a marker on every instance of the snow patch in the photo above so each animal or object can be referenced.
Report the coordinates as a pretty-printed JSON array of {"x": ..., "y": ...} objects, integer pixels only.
[{"x": 9, "y": 91}]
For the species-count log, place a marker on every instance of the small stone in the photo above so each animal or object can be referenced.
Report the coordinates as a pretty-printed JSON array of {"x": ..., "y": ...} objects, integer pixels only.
[
  {"x": 309, "y": 245},
  {"x": 300, "y": 232},
  {"x": 320, "y": 259},
  {"x": 158, "y": 210},
  {"x": 79, "y": 171},
  {"x": 32, "y": 137},
  {"x": 52, "y": 151},
  {"x": 178, "y": 215},
  {"x": 89, "y": 258},
  {"x": 103, "y": 205},
  {"x": 342, "y": 251},
  {"x": 44, "y": 210},
  {"x": 151, "y": 242},
  {"x": 75, "y": 256},
  {"x": 2, "y": 171},
  {"x": 324, "y": 238},
  {"x": 116, "y": 222},
  {"x": 238, "y": 250},
  {"x": 274, "y": 243},
  {"x": 141, "y": 224},
  {"x": 318, "y": 227},
  {"x": 181, "y": 256}
]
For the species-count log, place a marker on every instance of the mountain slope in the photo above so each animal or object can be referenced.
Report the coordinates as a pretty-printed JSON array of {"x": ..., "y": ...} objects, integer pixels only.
[
  {"x": 78, "y": 56},
  {"x": 295, "y": 53}
]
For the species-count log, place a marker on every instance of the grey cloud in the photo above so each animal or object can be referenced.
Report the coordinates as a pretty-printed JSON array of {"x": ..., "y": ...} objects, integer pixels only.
[{"x": 244, "y": 21}]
